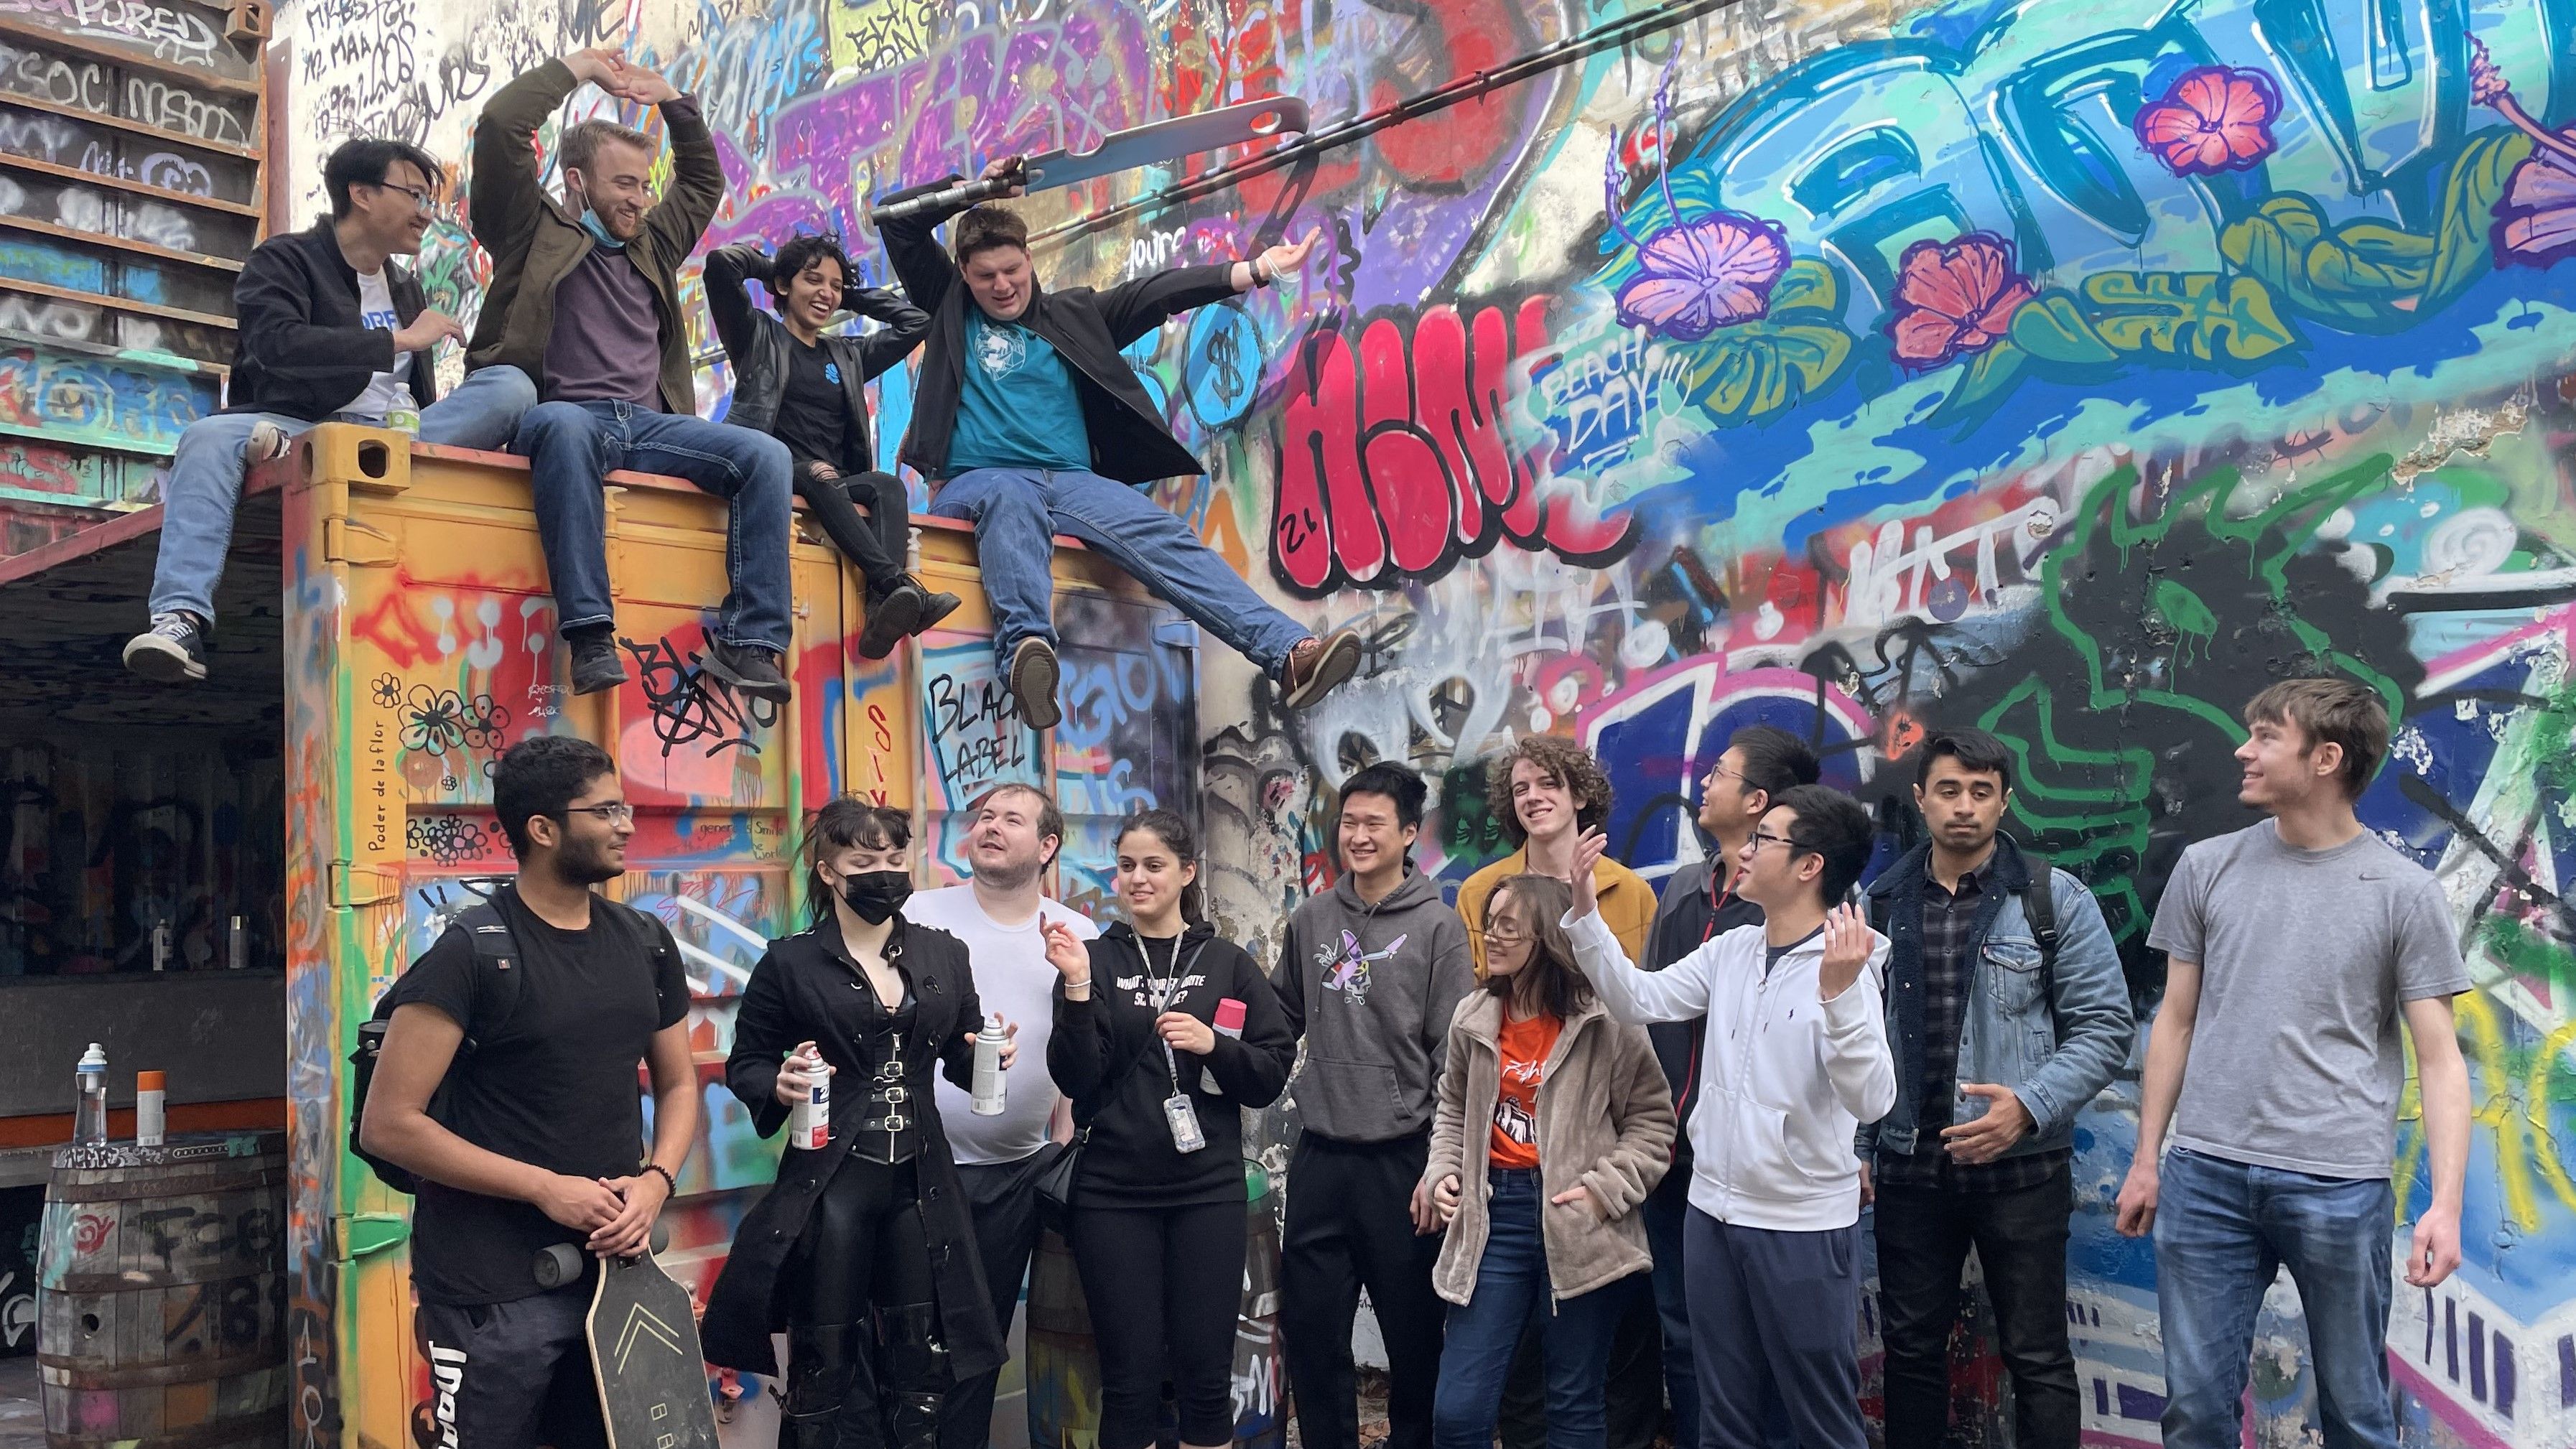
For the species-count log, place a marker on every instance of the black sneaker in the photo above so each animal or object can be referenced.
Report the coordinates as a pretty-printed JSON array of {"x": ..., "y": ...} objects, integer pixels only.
[
  {"x": 750, "y": 671},
  {"x": 890, "y": 619},
  {"x": 594, "y": 661},
  {"x": 173, "y": 650},
  {"x": 935, "y": 608},
  {"x": 1033, "y": 674}
]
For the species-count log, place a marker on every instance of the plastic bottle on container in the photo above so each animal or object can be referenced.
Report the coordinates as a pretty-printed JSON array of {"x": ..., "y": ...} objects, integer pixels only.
[
  {"x": 809, "y": 1123},
  {"x": 89, "y": 1114},
  {"x": 150, "y": 1119},
  {"x": 990, "y": 1086}
]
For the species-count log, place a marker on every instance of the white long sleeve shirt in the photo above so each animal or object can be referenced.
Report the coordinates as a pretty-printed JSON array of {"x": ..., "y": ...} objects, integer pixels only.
[{"x": 1786, "y": 1077}]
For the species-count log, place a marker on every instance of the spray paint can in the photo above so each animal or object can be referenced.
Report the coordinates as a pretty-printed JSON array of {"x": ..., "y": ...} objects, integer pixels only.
[
  {"x": 809, "y": 1125},
  {"x": 89, "y": 1113},
  {"x": 150, "y": 1118},
  {"x": 1228, "y": 1021},
  {"x": 989, "y": 1083}
]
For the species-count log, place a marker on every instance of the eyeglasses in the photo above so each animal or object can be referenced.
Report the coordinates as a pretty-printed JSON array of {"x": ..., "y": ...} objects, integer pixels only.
[
  {"x": 620, "y": 813},
  {"x": 420, "y": 198},
  {"x": 1762, "y": 838},
  {"x": 1505, "y": 935}
]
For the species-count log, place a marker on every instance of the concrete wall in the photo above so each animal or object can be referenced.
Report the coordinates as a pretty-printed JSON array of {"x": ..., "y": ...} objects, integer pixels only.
[
  {"x": 219, "y": 1035},
  {"x": 1862, "y": 366}
]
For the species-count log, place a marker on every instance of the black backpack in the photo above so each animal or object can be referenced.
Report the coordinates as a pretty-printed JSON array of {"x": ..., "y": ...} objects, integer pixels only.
[
  {"x": 496, "y": 956},
  {"x": 2039, "y": 904}
]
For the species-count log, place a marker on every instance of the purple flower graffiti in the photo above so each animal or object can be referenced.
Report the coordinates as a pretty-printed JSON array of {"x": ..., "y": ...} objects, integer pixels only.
[
  {"x": 1705, "y": 274},
  {"x": 2216, "y": 118},
  {"x": 2535, "y": 222}
]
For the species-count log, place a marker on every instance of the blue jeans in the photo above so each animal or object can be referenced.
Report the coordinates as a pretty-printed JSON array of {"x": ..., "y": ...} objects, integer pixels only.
[
  {"x": 2224, "y": 1230},
  {"x": 205, "y": 479},
  {"x": 1018, "y": 511},
  {"x": 1511, "y": 1289},
  {"x": 572, "y": 446}
]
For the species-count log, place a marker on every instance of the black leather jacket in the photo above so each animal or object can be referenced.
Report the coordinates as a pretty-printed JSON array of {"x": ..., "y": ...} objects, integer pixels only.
[{"x": 757, "y": 342}]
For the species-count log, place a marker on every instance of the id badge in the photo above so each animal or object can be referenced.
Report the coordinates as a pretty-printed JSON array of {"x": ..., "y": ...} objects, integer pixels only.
[{"x": 1184, "y": 1120}]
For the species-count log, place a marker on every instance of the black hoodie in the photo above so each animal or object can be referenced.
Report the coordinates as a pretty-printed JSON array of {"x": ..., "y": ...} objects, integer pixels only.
[{"x": 1106, "y": 1056}]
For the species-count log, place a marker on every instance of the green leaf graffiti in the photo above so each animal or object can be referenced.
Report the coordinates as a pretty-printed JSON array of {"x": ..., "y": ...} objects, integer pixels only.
[
  {"x": 1752, "y": 370},
  {"x": 2201, "y": 315},
  {"x": 2368, "y": 276}
]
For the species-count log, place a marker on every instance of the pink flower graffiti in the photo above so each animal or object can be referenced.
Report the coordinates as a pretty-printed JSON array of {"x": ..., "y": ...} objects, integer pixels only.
[
  {"x": 2216, "y": 118},
  {"x": 2535, "y": 221},
  {"x": 1705, "y": 274},
  {"x": 1955, "y": 299}
]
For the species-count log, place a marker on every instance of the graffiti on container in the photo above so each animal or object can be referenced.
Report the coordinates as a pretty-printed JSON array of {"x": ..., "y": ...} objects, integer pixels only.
[{"x": 691, "y": 706}]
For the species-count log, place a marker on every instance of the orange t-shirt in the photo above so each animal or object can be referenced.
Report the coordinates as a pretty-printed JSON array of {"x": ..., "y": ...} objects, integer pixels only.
[{"x": 1524, "y": 1047}]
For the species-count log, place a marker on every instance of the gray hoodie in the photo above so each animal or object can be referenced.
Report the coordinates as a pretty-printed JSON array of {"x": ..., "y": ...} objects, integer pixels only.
[{"x": 1372, "y": 989}]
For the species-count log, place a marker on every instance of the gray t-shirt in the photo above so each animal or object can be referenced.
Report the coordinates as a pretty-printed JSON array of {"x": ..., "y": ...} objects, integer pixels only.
[
  {"x": 2305, "y": 957},
  {"x": 607, "y": 342}
]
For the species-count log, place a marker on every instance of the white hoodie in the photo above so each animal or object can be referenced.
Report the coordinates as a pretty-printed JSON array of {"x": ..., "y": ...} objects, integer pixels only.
[{"x": 1785, "y": 1078}]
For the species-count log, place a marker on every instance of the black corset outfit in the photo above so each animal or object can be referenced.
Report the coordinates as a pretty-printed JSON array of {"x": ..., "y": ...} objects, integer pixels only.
[{"x": 887, "y": 1096}]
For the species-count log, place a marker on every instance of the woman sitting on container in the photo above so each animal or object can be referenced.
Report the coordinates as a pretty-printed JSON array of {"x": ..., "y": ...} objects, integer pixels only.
[
  {"x": 1163, "y": 1033},
  {"x": 806, "y": 388},
  {"x": 1563, "y": 1119},
  {"x": 872, "y": 1217}
]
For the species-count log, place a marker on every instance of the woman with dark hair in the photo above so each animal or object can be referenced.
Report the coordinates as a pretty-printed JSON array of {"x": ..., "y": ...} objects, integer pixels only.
[
  {"x": 873, "y": 1219},
  {"x": 806, "y": 388},
  {"x": 1163, "y": 1034},
  {"x": 1562, "y": 1117}
]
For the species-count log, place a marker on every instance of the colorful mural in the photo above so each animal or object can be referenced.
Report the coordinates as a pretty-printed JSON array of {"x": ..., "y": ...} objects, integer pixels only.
[{"x": 2071, "y": 370}]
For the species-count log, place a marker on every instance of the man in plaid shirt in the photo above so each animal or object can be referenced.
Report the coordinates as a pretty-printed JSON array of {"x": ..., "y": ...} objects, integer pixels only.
[{"x": 1997, "y": 1048}]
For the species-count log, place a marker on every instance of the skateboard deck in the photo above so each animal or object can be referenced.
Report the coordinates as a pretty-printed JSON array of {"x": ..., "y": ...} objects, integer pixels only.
[{"x": 644, "y": 1352}]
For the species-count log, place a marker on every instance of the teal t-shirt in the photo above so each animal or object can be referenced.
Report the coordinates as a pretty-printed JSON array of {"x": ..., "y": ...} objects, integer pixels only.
[{"x": 1018, "y": 408}]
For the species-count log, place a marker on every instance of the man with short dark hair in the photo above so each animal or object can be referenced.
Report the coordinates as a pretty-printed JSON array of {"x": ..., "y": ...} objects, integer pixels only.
[
  {"x": 1004, "y": 916},
  {"x": 1979, "y": 1151},
  {"x": 1760, "y": 764},
  {"x": 329, "y": 329},
  {"x": 2293, "y": 948},
  {"x": 1370, "y": 972},
  {"x": 1029, "y": 423},
  {"x": 538, "y": 1137},
  {"x": 1797, "y": 1050},
  {"x": 585, "y": 298}
]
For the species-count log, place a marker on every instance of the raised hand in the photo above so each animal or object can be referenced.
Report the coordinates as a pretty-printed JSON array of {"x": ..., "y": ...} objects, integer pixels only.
[
  {"x": 595, "y": 65},
  {"x": 1015, "y": 167},
  {"x": 1285, "y": 258},
  {"x": 1847, "y": 944},
  {"x": 1066, "y": 953},
  {"x": 1587, "y": 854},
  {"x": 634, "y": 83}
]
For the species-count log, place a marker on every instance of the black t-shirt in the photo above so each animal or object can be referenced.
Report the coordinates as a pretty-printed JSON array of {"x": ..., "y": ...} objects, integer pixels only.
[
  {"x": 552, "y": 1082},
  {"x": 814, "y": 411}
]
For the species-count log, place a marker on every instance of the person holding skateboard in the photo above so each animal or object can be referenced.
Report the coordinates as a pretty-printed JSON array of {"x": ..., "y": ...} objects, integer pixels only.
[
  {"x": 872, "y": 1219},
  {"x": 538, "y": 1128}
]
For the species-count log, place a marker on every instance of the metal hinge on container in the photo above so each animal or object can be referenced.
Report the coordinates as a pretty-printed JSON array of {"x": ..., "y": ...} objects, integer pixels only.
[
  {"x": 352, "y": 884},
  {"x": 348, "y": 541}
]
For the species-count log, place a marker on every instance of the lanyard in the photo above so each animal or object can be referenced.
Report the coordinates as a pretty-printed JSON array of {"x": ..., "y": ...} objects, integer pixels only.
[{"x": 1167, "y": 990}]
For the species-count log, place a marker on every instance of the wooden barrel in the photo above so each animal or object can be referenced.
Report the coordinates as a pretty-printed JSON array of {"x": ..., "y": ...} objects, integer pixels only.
[
  {"x": 161, "y": 1294},
  {"x": 1064, "y": 1365}
]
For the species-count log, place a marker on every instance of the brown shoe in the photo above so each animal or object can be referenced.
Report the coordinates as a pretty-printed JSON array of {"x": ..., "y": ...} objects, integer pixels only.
[
  {"x": 1317, "y": 666},
  {"x": 1033, "y": 675}
]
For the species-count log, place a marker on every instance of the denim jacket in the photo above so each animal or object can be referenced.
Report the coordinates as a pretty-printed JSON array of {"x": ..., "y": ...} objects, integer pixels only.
[{"x": 2056, "y": 1050}]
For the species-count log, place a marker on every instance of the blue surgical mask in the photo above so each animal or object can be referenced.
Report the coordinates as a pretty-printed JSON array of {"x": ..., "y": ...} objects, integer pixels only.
[{"x": 598, "y": 230}]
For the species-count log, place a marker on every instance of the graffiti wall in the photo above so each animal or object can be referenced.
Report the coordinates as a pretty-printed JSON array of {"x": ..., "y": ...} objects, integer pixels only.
[{"x": 2068, "y": 370}]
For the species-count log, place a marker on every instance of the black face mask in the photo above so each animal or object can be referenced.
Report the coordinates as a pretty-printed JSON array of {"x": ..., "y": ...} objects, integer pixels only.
[{"x": 874, "y": 896}]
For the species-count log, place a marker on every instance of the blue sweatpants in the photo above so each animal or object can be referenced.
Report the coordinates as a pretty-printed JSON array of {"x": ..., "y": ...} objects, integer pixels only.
[{"x": 1774, "y": 1311}]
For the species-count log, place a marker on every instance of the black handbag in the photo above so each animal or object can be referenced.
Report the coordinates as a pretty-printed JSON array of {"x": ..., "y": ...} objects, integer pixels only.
[{"x": 1056, "y": 1177}]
